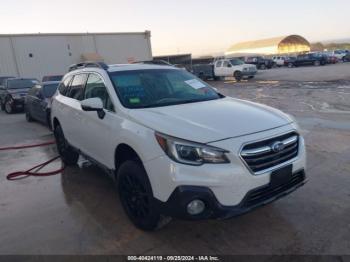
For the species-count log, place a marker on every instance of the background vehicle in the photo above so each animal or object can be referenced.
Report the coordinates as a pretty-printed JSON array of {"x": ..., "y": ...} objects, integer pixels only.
[
  {"x": 3, "y": 78},
  {"x": 289, "y": 61},
  {"x": 13, "y": 91},
  {"x": 346, "y": 58},
  {"x": 234, "y": 67},
  {"x": 38, "y": 102},
  {"x": 340, "y": 54},
  {"x": 204, "y": 71},
  {"x": 279, "y": 60},
  {"x": 308, "y": 59},
  {"x": 260, "y": 62},
  {"x": 154, "y": 62},
  {"x": 51, "y": 78},
  {"x": 173, "y": 145}
]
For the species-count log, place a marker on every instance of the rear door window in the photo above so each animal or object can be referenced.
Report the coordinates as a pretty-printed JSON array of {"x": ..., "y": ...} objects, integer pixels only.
[
  {"x": 77, "y": 85},
  {"x": 63, "y": 87}
]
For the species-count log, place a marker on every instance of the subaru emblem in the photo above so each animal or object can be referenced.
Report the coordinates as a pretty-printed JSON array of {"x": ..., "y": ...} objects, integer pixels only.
[{"x": 277, "y": 146}]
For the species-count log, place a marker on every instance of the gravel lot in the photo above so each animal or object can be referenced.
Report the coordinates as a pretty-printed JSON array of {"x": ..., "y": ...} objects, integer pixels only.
[
  {"x": 78, "y": 212},
  {"x": 307, "y": 73}
]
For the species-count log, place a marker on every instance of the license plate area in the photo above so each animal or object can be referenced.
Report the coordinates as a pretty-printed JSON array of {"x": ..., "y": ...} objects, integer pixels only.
[{"x": 281, "y": 176}]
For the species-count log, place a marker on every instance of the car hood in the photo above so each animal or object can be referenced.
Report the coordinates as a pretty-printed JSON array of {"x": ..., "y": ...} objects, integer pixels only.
[{"x": 210, "y": 121}]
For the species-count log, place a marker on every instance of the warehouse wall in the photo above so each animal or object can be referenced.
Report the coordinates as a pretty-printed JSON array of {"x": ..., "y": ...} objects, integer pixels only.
[{"x": 39, "y": 55}]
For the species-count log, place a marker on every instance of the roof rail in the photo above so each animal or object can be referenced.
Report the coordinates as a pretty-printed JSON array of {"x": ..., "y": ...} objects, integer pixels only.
[{"x": 88, "y": 64}]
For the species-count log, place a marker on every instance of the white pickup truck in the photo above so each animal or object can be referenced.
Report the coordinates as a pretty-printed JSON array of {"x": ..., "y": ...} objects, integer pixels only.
[{"x": 234, "y": 67}]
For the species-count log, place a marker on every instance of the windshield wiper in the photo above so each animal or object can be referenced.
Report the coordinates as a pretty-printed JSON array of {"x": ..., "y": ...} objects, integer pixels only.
[{"x": 177, "y": 102}]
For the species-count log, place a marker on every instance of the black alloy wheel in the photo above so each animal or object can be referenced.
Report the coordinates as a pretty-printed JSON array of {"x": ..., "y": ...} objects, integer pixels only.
[
  {"x": 136, "y": 195},
  {"x": 68, "y": 155}
]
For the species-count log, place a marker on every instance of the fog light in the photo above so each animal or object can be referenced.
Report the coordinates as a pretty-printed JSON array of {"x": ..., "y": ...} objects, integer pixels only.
[{"x": 195, "y": 207}]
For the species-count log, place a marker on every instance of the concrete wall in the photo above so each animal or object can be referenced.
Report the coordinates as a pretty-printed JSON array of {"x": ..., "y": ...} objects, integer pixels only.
[{"x": 49, "y": 54}]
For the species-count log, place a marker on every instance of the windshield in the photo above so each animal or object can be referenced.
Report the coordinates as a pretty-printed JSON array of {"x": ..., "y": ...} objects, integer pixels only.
[
  {"x": 20, "y": 83},
  {"x": 236, "y": 62},
  {"x": 160, "y": 87},
  {"x": 50, "y": 89}
]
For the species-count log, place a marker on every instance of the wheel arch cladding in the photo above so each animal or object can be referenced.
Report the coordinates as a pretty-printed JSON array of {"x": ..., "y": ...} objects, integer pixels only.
[{"x": 124, "y": 152}]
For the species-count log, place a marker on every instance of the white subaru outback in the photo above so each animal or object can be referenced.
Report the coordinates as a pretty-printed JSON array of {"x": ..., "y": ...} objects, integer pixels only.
[{"x": 175, "y": 146}]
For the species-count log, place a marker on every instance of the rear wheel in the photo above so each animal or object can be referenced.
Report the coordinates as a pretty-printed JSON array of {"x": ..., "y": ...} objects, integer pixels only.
[
  {"x": 68, "y": 155},
  {"x": 262, "y": 66},
  {"x": 136, "y": 195},
  {"x": 238, "y": 76},
  {"x": 317, "y": 63},
  {"x": 290, "y": 65}
]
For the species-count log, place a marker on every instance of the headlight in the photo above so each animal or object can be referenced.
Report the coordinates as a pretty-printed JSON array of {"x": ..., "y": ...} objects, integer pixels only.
[
  {"x": 16, "y": 96},
  {"x": 191, "y": 153}
]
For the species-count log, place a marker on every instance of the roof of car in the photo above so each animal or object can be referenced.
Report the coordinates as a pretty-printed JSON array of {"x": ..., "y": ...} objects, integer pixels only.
[
  {"x": 50, "y": 82},
  {"x": 127, "y": 67}
]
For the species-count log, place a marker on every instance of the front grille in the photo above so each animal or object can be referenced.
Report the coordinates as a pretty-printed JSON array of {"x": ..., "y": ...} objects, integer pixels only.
[
  {"x": 268, "y": 192},
  {"x": 263, "y": 155}
]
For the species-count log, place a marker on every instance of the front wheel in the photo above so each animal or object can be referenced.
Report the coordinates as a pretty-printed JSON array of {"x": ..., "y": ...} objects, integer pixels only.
[
  {"x": 9, "y": 106},
  {"x": 136, "y": 195},
  {"x": 317, "y": 63},
  {"x": 29, "y": 118},
  {"x": 290, "y": 65},
  {"x": 238, "y": 76},
  {"x": 68, "y": 155}
]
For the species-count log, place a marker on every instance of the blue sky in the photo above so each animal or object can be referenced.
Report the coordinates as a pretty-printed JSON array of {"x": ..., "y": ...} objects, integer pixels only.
[{"x": 180, "y": 26}]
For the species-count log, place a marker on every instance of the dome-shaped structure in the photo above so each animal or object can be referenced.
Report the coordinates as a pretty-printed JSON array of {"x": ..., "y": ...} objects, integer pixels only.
[{"x": 276, "y": 45}]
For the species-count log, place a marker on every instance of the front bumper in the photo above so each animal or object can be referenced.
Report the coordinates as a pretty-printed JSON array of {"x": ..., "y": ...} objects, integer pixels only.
[{"x": 176, "y": 205}]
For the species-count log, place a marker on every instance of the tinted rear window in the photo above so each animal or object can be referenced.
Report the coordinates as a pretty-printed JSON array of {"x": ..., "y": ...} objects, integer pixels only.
[
  {"x": 20, "y": 83},
  {"x": 50, "y": 89}
]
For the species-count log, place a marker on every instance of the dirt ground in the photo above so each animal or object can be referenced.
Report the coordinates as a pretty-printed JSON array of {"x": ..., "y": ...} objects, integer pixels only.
[{"x": 78, "y": 211}]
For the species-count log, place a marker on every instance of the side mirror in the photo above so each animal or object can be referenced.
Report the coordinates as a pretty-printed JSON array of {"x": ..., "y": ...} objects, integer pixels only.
[
  {"x": 93, "y": 104},
  {"x": 229, "y": 65}
]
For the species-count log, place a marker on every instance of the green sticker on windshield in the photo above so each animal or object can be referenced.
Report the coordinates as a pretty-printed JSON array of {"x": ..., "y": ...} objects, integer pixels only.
[{"x": 134, "y": 100}]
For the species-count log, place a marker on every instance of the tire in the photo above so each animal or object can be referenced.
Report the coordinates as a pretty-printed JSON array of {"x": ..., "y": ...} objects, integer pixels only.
[
  {"x": 48, "y": 120},
  {"x": 2, "y": 106},
  {"x": 290, "y": 65},
  {"x": 136, "y": 196},
  {"x": 317, "y": 63},
  {"x": 238, "y": 76},
  {"x": 29, "y": 118},
  {"x": 68, "y": 155},
  {"x": 8, "y": 106},
  {"x": 262, "y": 66}
]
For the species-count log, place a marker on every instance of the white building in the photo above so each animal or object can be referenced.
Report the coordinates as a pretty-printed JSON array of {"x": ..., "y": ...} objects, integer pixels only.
[{"x": 36, "y": 55}]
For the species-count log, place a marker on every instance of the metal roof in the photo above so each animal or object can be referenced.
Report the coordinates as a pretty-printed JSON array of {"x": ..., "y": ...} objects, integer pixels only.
[
  {"x": 275, "y": 41},
  {"x": 75, "y": 34}
]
